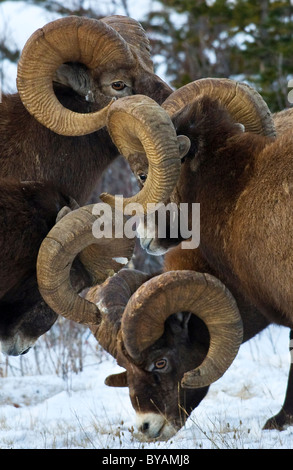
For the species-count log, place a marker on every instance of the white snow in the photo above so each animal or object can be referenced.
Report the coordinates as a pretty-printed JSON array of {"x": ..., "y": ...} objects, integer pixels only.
[
  {"x": 43, "y": 410},
  {"x": 120, "y": 260}
]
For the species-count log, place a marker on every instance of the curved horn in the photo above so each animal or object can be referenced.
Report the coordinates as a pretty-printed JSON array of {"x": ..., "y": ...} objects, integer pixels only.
[
  {"x": 175, "y": 291},
  {"x": 135, "y": 36},
  {"x": 72, "y": 234},
  {"x": 111, "y": 298},
  {"x": 71, "y": 39},
  {"x": 138, "y": 124},
  {"x": 242, "y": 101}
]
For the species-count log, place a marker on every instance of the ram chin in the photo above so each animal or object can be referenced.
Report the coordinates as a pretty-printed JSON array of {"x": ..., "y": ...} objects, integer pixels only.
[
  {"x": 16, "y": 346},
  {"x": 153, "y": 426},
  {"x": 154, "y": 246},
  {"x": 151, "y": 246}
]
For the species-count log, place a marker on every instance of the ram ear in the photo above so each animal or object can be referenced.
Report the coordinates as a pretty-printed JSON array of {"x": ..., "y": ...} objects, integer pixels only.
[
  {"x": 184, "y": 145},
  {"x": 117, "y": 380},
  {"x": 179, "y": 323}
]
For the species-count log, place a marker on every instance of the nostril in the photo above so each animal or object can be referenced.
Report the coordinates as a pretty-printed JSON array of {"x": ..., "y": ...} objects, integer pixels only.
[
  {"x": 144, "y": 427},
  {"x": 25, "y": 351}
]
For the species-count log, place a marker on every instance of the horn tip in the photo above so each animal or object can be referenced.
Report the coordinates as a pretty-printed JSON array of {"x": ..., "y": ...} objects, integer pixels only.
[
  {"x": 192, "y": 379},
  {"x": 108, "y": 199}
]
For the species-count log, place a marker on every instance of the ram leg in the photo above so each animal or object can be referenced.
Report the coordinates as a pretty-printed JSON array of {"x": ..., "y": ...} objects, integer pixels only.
[{"x": 284, "y": 418}]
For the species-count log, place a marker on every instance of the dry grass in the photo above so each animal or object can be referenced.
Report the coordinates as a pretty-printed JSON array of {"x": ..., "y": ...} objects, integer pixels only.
[{"x": 62, "y": 350}]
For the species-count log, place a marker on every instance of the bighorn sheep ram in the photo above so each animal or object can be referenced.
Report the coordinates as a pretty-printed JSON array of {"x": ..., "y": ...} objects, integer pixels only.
[
  {"x": 171, "y": 359},
  {"x": 53, "y": 130},
  {"x": 243, "y": 184}
]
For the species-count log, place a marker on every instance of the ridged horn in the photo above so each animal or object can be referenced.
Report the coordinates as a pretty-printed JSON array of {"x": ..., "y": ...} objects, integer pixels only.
[
  {"x": 135, "y": 36},
  {"x": 242, "y": 101},
  {"x": 138, "y": 124},
  {"x": 111, "y": 298},
  {"x": 72, "y": 234},
  {"x": 71, "y": 39},
  {"x": 176, "y": 291},
  {"x": 145, "y": 78}
]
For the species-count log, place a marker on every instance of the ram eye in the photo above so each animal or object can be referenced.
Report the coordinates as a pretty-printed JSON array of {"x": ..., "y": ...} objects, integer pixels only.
[
  {"x": 118, "y": 86},
  {"x": 161, "y": 364},
  {"x": 142, "y": 177}
]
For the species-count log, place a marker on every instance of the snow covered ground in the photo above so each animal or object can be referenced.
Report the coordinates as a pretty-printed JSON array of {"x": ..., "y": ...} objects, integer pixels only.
[{"x": 45, "y": 405}]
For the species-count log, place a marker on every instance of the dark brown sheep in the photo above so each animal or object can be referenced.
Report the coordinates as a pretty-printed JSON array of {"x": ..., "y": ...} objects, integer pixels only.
[{"x": 28, "y": 211}]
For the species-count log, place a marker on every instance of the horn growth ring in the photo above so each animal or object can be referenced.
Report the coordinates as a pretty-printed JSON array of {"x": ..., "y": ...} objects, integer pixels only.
[{"x": 201, "y": 294}]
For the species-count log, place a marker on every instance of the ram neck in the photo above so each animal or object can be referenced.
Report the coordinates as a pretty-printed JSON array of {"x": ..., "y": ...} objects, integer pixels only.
[
  {"x": 219, "y": 182},
  {"x": 74, "y": 163}
]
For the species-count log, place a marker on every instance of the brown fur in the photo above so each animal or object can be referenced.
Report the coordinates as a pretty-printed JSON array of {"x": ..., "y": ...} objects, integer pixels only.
[
  {"x": 283, "y": 121},
  {"x": 30, "y": 151},
  {"x": 27, "y": 212},
  {"x": 244, "y": 185}
]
